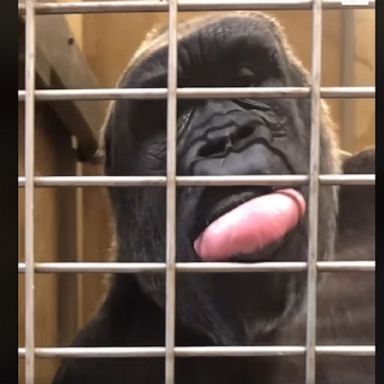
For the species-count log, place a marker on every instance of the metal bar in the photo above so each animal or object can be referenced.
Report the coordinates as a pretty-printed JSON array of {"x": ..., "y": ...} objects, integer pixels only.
[
  {"x": 346, "y": 350},
  {"x": 348, "y": 179},
  {"x": 313, "y": 209},
  {"x": 191, "y": 5},
  {"x": 347, "y": 76},
  {"x": 361, "y": 92},
  {"x": 89, "y": 352},
  {"x": 366, "y": 350},
  {"x": 183, "y": 181},
  {"x": 283, "y": 266},
  {"x": 94, "y": 181},
  {"x": 275, "y": 350},
  {"x": 195, "y": 93},
  {"x": 29, "y": 140},
  {"x": 170, "y": 277},
  {"x": 97, "y": 267}
]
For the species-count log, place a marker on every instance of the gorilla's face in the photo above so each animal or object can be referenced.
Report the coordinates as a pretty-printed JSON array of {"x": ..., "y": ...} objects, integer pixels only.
[{"x": 221, "y": 137}]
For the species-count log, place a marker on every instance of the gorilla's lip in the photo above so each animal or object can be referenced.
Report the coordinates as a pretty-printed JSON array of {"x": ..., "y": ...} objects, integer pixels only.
[
  {"x": 227, "y": 204},
  {"x": 226, "y": 200},
  {"x": 253, "y": 232},
  {"x": 216, "y": 202},
  {"x": 234, "y": 199},
  {"x": 264, "y": 254}
]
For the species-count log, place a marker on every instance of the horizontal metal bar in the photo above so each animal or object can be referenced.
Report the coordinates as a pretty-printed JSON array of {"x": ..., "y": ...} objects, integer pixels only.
[
  {"x": 341, "y": 350},
  {"x": 346, "y": 350},
  {"x": 97, "y": 267},
  {"x": 348, "y": 179},
  {"x": 191, "y": 5},
  {"x": 126, "y": 267},
  {"x": 347, "y": 266},
  {"x": 196, "y": 93},
  {"x": 275, "y": 350},
  {"x": 94, "y": 181},
  {"x": 184, "y": 181},
  {"x": 84, "y": 352}
]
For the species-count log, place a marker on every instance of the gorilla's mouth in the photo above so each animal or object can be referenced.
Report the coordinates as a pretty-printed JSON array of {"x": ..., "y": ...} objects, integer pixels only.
[{"x": 246, "y": 222}]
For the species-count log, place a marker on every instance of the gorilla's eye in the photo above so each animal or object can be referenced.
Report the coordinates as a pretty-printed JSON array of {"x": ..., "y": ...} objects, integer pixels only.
[{"x": 244, "y": 77}]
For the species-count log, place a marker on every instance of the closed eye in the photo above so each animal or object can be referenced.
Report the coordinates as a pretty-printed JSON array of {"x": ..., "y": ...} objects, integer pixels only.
[{"x": 244, "y": 78}]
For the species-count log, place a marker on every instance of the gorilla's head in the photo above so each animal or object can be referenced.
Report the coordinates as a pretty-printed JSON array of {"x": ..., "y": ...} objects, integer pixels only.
[{"x": 221, "y": 137}]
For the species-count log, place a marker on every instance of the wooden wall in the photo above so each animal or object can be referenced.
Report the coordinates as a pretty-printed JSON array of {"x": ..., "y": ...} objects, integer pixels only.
[
  {"x": 363, "y": 59},
  {"x": 55, "y": 238}
]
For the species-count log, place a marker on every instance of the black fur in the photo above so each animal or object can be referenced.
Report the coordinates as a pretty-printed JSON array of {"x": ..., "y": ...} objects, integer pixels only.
[{"x": 267, "y": 137}]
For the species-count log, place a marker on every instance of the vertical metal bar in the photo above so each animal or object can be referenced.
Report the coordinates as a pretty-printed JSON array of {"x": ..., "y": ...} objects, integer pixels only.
[
  {"x": 29, "y": 191},
  {"x": 171, "y": 195},
  {"x": 347, "y": 134},
  {"x": 310, "y": 361},
  {"x": 79, "y": 237}
]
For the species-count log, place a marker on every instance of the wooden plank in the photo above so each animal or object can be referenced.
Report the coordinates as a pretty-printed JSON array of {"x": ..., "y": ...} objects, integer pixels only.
[
  {"x": 56, "y": 311},
  {"x": 61, "y": 64}
]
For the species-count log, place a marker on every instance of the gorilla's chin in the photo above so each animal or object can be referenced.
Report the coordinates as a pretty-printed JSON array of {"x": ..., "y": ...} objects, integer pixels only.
[{"x": 241, "y": 224}]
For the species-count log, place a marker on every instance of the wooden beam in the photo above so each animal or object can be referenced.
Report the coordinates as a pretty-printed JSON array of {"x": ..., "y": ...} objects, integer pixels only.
[{"x": 61, "y": 64}]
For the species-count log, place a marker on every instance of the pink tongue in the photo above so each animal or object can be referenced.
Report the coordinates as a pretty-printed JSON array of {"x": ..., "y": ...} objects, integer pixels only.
[{"x": 251, "y": 226}]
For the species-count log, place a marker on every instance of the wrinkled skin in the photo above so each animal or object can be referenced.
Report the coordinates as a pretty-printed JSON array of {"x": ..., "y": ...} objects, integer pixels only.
[{"x": 215, "y": 137}]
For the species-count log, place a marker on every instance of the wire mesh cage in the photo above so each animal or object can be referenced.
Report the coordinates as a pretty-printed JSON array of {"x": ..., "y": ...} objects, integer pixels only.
[{"x": 32, "y": 96}]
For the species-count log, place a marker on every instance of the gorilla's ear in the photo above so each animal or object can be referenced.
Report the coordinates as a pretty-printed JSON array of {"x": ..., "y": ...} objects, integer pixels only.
[{"x": 356, "y": 222}]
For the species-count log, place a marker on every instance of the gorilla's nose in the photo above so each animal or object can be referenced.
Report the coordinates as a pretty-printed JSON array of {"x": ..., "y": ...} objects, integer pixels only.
[{"x": 230, "y": 138}]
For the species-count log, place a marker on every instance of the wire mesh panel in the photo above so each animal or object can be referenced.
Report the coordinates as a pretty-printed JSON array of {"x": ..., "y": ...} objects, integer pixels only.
[{"x": 171, "y": 181}]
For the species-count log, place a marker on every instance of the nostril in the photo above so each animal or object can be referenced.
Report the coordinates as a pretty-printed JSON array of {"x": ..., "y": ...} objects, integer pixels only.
[
  {"x": 214, "y": 147},
  {"x": 242, "y": 133},
  {"x": 221, "y": 145}
]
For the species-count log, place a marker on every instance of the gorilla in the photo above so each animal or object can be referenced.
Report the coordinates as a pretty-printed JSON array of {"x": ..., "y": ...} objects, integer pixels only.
[{"x": 243, "y": 224}]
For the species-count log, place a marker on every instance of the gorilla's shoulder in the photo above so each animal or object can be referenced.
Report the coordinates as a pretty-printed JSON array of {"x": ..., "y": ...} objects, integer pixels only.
[
  {"x": 360, "y": 162},
  {"x": 356, "y": 222}
]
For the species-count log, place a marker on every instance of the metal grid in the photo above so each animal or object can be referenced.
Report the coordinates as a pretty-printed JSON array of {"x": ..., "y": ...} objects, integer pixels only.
[{"x": 171, "y": 181}]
